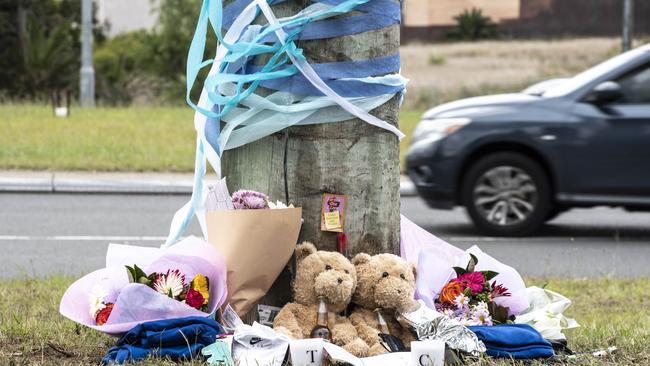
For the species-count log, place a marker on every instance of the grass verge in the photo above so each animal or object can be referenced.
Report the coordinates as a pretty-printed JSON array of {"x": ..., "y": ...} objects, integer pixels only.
[
  {"x": 108, "y": 139},
  {"x": 32, "y": 332},
  {"x": 102, "y": 139}
]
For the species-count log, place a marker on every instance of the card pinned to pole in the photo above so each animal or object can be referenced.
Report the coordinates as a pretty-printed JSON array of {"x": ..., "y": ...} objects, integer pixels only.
[{"x": 333, "y": 212}]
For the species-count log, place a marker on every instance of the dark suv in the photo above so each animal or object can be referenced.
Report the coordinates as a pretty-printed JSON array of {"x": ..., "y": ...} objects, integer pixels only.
[{"x": 515, "y": 161}]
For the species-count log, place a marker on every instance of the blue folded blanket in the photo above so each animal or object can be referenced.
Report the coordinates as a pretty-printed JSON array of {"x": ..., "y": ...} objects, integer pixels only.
[
  {"x": 178, "y": 339},
  {"x": 518, "y": 341}
]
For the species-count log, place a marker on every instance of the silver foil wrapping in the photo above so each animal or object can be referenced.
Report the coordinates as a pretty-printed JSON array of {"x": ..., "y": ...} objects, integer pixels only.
[{"x": 429, "y": 324}]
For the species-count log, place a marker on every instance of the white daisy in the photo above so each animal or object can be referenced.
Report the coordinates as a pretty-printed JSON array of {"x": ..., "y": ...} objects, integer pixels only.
[
  {"x": 461, "y": 301},
  {"x": 482, "y": 317}
]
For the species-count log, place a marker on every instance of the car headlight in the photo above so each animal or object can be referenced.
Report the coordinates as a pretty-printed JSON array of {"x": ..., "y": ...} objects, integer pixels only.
[{"x": 437, "y": 128}]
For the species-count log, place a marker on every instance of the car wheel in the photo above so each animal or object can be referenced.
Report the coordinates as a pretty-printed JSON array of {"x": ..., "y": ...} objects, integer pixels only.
[{"x": 506, "y": 194}]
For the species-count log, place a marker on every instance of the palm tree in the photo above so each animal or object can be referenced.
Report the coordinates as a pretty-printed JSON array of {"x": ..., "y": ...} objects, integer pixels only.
[
  {"x": 472, "y": 25},
  {"x": 48, "y": 60}
]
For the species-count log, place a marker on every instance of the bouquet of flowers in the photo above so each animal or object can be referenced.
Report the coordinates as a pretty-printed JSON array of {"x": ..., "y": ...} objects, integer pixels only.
[
  {"x": 256, "y": 237},
  {"x": 469, "y": 298},
  {"x": 154, "y": 286},
  {"x": 172, "y": 284}
]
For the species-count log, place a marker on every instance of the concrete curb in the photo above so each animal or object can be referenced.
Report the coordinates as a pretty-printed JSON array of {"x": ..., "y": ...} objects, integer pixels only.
[{"x": 116, "y": 183}]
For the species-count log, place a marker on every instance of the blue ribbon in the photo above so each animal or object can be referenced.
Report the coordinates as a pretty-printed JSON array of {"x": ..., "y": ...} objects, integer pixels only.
[
  {"x": 375, "y": 15},
  {"x": 332, "y": 71}
]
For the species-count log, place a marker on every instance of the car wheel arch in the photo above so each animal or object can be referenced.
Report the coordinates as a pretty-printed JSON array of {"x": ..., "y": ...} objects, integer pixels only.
[{"x": 503, "y": 146}]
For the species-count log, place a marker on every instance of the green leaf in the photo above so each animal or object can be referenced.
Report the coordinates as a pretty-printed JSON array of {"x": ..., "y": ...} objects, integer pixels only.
[
  {"x": 473, "y": 261},
  {"x": 468, "y": 292},
  {"x": 139, "y": 272},
  {"x": 459, "y": 271},
  {"x": 489, "y": 275},
  {"x": 131, "y": 273}
]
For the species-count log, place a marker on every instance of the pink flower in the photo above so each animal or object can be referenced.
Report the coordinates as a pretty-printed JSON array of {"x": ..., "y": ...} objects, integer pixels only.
[
  {"x": 194, "y": 299},
  {"x": 473, "y": 280},
  {"x": 243, "y": 199}
]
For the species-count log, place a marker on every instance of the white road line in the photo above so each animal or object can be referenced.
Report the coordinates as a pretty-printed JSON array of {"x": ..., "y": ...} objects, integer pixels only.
[{"x": 80, "y": 238}]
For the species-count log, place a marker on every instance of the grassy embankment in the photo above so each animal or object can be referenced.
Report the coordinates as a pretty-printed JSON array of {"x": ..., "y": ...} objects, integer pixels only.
[{"x": 32, "y": 332}]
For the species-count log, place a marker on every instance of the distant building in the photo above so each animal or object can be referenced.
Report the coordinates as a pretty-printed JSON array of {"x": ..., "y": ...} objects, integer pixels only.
[
  {"x": 126, "y": 15},
  {"x": 427, "y": 13},
  {"x": 430, "y": 20}
]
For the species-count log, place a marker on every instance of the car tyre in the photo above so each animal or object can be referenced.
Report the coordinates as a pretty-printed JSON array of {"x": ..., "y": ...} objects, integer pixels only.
[{"x": 516, "y": 207}]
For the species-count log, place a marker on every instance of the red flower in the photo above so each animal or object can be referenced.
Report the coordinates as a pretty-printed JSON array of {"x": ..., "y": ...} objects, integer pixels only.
[
  {"x": 499, "y": 290},
  {"x": 102, "y": 315},
  {"x": 473, "y": 280},
  {"x": 194, "y": 299}
]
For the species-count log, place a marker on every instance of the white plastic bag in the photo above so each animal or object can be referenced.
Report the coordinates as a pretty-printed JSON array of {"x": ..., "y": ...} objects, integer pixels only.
[{"x": 545, "y": 313}]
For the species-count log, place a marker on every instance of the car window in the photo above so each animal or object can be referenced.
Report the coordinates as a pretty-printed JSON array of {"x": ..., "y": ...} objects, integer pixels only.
[
  {"x": 635, "y": 86},
  {"x": 587, "y": 76}
]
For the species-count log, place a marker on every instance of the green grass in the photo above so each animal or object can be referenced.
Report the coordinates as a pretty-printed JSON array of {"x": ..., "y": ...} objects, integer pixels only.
[
  {"x": 611, "y": 312},
  {"x": 103, "y": 139},
  {"x": 408, "y": 119},
  {"x": 108, "y": 139}
]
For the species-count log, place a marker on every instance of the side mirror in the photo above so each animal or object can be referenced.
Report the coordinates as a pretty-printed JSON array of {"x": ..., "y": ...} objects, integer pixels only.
[{"x": 605, "y": 93}]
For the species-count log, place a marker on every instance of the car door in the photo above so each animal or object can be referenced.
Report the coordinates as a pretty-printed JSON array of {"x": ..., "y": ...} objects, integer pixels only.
[{"x": 608, "y": 156}]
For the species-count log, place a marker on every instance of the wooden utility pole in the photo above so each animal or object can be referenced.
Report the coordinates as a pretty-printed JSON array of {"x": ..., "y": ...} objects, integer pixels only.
[{"x": 299, "y": 164}]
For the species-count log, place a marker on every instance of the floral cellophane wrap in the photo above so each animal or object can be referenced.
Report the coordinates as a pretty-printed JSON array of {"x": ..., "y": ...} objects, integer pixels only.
[
  {"x": 435, "y": 259},
  {"x": 138, "y": 303}
]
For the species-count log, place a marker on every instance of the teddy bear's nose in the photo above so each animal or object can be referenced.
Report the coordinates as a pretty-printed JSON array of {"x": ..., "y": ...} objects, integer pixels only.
[
  {"x": 399, "y": 291},
  {"x": 340, "y": 280}
]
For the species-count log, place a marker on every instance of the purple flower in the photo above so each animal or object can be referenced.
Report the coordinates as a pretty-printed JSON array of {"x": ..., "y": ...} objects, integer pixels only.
[{"x": 244, "y": 200}]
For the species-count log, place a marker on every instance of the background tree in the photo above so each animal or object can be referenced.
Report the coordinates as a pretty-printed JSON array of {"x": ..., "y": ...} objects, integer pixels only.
[
  {"x": 48, "y": 63},
  {"x": 472, "y": 25},
  {"x": 32, "y": 31}
]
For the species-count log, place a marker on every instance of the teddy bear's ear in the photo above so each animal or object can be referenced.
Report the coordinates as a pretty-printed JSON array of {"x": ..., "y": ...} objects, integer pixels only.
[
  {"x": 361, "y": 258},
  {"x": 414, "y": 269},
  {"x": 305, "y": 249}
]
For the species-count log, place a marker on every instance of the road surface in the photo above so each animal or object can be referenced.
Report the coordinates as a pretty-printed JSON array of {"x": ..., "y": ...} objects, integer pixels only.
[{"x": 46, "y": 234}]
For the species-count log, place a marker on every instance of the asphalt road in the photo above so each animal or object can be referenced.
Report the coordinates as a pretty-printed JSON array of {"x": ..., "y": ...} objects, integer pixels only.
[{"x": 45, "y": 234}]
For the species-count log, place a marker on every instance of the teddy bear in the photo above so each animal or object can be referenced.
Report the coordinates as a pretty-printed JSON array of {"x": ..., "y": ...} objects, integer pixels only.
[
  {"x": 326, "y": 275},
  {"x": 385, "y": 284}
]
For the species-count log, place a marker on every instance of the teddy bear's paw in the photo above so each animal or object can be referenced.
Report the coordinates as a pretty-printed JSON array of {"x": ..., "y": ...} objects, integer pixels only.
[
  {"x": 357, "y": 347},
  {"x": 282, "y": 330},
  {"x": 343, "y": 333},
  {"x": 377, "y": 349}
]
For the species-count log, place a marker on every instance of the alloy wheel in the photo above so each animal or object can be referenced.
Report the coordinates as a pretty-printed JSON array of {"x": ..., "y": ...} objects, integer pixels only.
[{"x": 505, "y": 195}]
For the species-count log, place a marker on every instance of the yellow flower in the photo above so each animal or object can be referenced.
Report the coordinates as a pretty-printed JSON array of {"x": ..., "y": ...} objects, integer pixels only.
[{"x": 201, "y": 284}]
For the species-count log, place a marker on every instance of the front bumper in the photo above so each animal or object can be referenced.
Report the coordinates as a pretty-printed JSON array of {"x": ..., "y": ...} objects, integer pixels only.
[{"x": 431, "y": 174}]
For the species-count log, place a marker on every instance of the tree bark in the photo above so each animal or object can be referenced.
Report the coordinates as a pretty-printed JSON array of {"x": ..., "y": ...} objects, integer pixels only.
[{"x": 354, "y": 158}]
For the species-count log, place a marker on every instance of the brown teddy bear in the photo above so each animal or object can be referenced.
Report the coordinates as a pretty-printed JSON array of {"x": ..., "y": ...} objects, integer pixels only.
[
  {"x": 327, "y": 275},
  {"x": 385, "y": 284}
]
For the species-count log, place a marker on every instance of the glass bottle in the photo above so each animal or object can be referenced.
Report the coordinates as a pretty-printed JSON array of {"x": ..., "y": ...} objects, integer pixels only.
[
  {"x": 382, "y": 323},
  {"x": 321, "y": 330}
]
